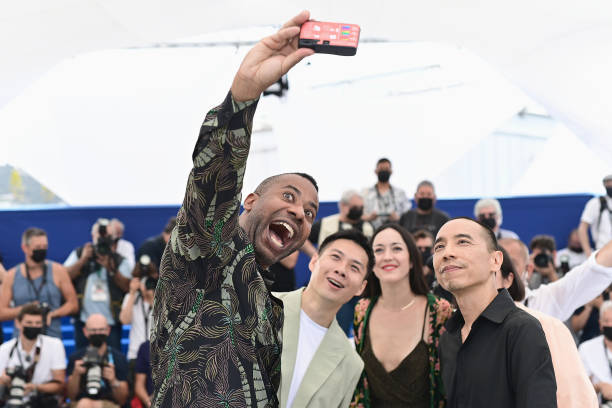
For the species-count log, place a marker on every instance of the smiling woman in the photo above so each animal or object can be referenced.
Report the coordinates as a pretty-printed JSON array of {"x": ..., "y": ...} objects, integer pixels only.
[{"x": 397, "y": 328}]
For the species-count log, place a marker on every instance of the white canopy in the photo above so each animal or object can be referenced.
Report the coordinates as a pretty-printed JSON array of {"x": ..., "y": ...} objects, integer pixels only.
[{"x": 92, "y": 107}]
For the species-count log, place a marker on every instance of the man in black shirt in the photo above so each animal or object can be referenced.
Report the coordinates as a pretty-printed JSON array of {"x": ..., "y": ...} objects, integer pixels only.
[
  {"x": 425, "y": 215},
  {"x": 493, "y": 354},
  {"x": 154, "y": 246}
]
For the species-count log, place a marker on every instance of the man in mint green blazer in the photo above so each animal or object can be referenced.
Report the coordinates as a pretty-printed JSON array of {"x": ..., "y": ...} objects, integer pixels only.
[{"x": 319, "y": 364}]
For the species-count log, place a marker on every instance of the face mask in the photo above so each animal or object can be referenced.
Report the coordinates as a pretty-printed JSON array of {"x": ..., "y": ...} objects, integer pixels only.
[
  {"x": 97, "y": 340},
  {"x": 489, "y": 222},
  {"x": 425, "y": 255},
  {"x": 383, "y": 176},
  {"x": 31, "y": 333},
  {"x": 425, "y": 204},
  {"x": 576, "y": 249},
  {"x": 609, "y": 191},
  {"x": 355, "y": 213},
  {"x": 607, "y": 331},
  {"x": 39, "y": 255}
]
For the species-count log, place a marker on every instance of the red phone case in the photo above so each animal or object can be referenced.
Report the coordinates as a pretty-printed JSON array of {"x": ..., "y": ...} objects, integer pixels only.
[{"x": 330, "y": 38}]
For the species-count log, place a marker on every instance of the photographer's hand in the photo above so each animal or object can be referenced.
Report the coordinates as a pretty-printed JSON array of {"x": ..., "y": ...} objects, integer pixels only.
[
  {"x": 87, "y": 252},
  {"x": 79, "y": 367},
  {"x": 5, "y": 379},
  {"x": 108, "y": 373},
  {"x": 29, "y": 388},
  {"x": 270, "y": 59},
  {"x": 549, "y": 271}
]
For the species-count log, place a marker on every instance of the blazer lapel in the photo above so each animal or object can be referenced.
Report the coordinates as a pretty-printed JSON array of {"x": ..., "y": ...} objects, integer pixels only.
[
  {"x": 326, "y": 359},
  {"x": 292, "y": 304}
]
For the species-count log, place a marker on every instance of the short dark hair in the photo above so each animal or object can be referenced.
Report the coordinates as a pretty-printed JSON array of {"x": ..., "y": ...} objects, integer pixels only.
[
  {"x": 422, "y": 233},
  {"x": 263, "y": 186},
  {"x": 170, "y": 225},
  {"x": 31, "y": 233},
  {"x": 383, "y": 160},
  {"x": 543, "y": 241},
  {"x": 358, "y": 238},
  {"x": 29, "y": 309},
  {"x": 490, "y": 235},
  {"x": 517, "y": 288},
  {"x": 415, "y": 275}
]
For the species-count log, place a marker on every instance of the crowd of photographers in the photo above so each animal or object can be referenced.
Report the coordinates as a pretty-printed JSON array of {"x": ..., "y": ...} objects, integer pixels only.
[{"x": 104, "y": 285}]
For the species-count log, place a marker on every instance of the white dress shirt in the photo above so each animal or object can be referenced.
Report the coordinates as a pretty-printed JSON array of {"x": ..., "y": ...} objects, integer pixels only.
[
  {"x": 595, "y": 357},
  {"x": 579, "y": 286}
]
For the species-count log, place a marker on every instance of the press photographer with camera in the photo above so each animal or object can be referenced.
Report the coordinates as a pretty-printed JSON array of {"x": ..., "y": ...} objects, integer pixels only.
[
  {"x": 33, "y": 365},
  {"x": 138, "y": 304},
  {"x": 542, "y": 260},
  {"x": 101, "y": 277},
  {"x": 97, "y": 374},
  {"x": 40, "y": 281}
]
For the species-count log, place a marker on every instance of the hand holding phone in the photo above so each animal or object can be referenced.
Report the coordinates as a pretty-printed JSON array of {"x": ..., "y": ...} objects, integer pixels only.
[{"x": 330, "y": 38}]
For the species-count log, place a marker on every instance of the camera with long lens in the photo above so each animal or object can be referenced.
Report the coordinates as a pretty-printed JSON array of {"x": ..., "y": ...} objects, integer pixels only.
[
  {"x": 542, "y": 259},
  {"x": 15, "y": 392},
  {"x": 104, "y": 244},
  {"x": 45, "y": 309},
  {"x": 145, "y": 268},
  {"x": 93, "y": 363}
]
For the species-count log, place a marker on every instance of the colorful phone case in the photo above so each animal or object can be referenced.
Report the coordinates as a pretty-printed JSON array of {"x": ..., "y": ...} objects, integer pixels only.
[{"x": 330, "y": 38}]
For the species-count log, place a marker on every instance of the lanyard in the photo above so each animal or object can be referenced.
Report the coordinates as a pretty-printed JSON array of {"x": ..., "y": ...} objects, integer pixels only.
[
  {"x": 42, "y": 283},
  {"x": 379, "y": 196},
  {"x": 30, "y": 370},
  {"x": 145, "y": 314}
]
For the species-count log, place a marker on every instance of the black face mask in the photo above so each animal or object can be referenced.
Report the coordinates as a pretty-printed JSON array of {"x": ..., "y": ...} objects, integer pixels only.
[
  {"x": 383, "y": 176},
  {"x": 576, "y": 249},
  {"x": 489, "y": 222},
  {"x": 425, "y": 204},
  {"x": 425, "y": 254},
  {"x": 31, "y": 333},
  {"x": 97, "y": 340},
  {"x": 39, "y": 255},
  {"x": 609, "y": 191},
  {"x": 607, "y": 332},
  {"x": 355, "y": 213}
]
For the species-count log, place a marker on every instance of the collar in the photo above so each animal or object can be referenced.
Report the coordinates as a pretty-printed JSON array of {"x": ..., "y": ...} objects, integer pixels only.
[
  {"x": 22, "y": 351},
  {"x": 496, "y": 311}
]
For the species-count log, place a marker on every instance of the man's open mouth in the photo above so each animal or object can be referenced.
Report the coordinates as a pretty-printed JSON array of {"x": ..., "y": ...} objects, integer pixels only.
[
  {"x": 281, "y": 233},
  {"x": 335, "y": 283}
]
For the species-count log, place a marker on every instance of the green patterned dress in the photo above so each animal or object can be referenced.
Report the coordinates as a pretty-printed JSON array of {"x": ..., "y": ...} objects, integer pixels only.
[{"x": 215, "y": 339}]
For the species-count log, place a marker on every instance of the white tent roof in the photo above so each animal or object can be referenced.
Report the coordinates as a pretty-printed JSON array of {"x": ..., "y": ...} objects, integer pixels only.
[{"x": 152, "y": 100}]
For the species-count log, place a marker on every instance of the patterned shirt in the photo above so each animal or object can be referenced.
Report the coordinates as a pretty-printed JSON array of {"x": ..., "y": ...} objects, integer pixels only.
[{"x": 215, "y": 339}]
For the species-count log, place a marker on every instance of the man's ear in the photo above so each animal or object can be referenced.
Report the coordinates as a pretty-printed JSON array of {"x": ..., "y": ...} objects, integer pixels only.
[
  {"x": 363, "y": 286},
  {"x": 313, "y": 261},
  {"x": 498, "y": 259},
  {"x": 250, "y": 200}
]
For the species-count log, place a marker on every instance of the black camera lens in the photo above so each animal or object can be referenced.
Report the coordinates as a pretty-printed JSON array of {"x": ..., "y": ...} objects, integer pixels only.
[{"x": 541, "y": 260}]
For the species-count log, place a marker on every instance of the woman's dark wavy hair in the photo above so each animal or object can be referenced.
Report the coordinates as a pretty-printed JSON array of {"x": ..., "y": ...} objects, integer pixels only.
[
  {"x": 415, "y": 275},
  {"x": 517, "y": 288}
]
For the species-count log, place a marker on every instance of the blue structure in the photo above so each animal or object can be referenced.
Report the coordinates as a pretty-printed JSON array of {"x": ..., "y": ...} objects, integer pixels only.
[{"x": 69, "y": 227}]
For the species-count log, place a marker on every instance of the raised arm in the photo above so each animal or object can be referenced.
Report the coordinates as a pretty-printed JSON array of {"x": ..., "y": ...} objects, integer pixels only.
[
  {"x": 578, "y": 287},
  {"x": 210, "y": 209}
]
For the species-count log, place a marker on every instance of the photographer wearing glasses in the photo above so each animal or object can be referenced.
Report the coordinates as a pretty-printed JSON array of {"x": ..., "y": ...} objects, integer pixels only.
[
  {"x": 101, "y": 277},
  {"x": 33, "y": 365},
  {"x": 41, "y": 281},
  {"x": 97, "y": 374}
]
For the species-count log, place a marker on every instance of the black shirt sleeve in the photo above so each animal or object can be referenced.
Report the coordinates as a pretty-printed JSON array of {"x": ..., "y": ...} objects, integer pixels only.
[{"x": 531, "y": 367}]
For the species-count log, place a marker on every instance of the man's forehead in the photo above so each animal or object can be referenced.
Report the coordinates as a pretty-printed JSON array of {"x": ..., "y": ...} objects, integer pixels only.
[{"x": 456, "y": 227}]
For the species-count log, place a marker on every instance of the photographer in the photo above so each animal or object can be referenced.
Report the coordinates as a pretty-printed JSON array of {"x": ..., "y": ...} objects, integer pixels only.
[
  {"x": 97, "y": 375},
  {"x": 138, "y": 304},
  {"x": 542, "y": 261},
  {"x": 39, "y": 281},
  {"x": 101, "y": 277},
  {"x": 33, "y": 366},
  {"x": 155, "y": 246}
]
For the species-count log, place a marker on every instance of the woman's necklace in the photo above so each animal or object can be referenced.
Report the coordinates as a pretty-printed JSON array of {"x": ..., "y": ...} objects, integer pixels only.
[{"x": 401, "y": 309}]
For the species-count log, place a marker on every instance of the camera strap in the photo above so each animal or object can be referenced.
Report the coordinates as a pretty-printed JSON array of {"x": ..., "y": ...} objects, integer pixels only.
[
  {"x": 145, "y": 314},
  {"x": 30, "y": 370},
  {"x": 42, "y": 283}
]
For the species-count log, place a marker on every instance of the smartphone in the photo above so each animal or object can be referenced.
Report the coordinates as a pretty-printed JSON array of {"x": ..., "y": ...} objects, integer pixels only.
[{"x": 330, "y": 38}]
